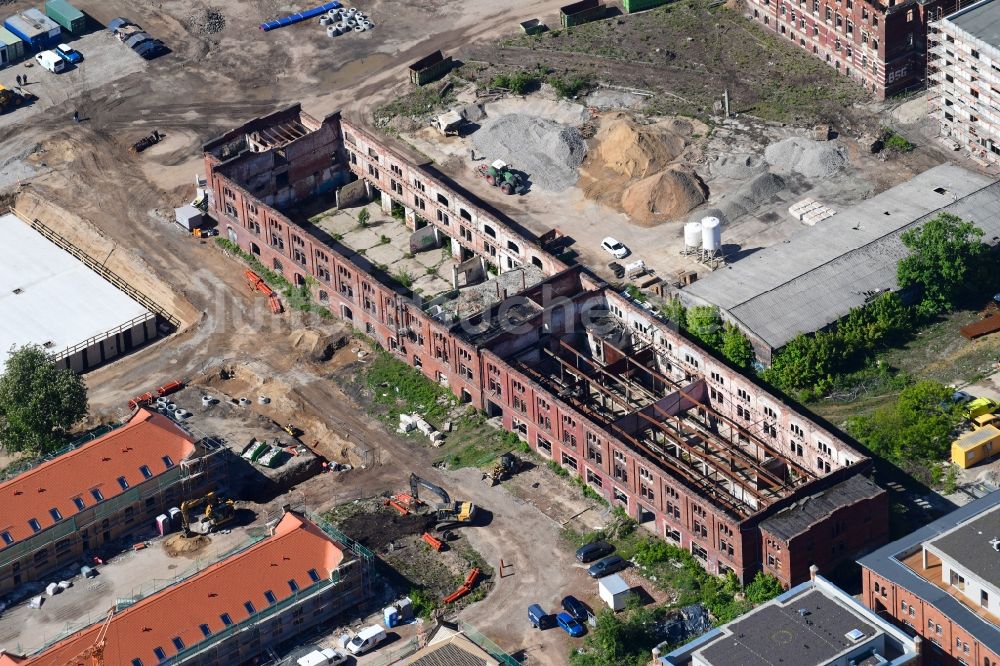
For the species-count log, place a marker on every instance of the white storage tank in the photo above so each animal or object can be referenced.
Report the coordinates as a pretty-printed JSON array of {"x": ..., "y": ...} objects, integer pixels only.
[
  {"x": 692, "y": 235},
  {"x": 711, "y": 234}
]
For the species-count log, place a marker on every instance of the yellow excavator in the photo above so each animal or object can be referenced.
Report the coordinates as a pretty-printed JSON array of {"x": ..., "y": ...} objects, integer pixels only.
[
  {"x": 11, "y": 99},
  {"x": 447, "y": 511},
  {"x": 217, "y": 512}
]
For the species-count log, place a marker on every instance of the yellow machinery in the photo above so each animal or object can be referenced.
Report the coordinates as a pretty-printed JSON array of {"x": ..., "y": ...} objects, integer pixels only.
[
  {"x": 217, "y": 512},
  {"x": 506, "y": 467},
  {"x": 94, "y": 654},
  {"x": 446, "y": 511},
  {"x": 975, "y": 446},
  {"x": 10, "y": 99}
]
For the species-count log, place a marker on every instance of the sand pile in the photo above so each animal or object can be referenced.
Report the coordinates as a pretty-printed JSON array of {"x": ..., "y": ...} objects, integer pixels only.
[
  {"x": 547, "y": 151},
  {"x": 636, "y": 151},
  {"x": 634, "y": 167},
  {"x": 812, "y": 159},
  {"x": 666, "y": 195}
]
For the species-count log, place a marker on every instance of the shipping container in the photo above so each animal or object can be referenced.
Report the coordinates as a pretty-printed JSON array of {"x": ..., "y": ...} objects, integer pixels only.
[
  {"x": 66, "y": 15},
  {"x": 642, "y": 5},
  {"x": 11, "y": 47},
  {"x": 976, "y": 446},
  {"x": 37, "y": 30}
]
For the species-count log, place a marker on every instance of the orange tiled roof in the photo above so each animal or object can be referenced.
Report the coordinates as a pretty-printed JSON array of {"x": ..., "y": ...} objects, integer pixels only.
[
  {"x": 297, "y": 551},
  {"x": 139, "y": 450}
]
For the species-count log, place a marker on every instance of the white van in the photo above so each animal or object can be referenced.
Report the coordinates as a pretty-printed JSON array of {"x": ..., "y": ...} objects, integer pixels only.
[
  {"x": 51, "y": 61},
  {"x": 326, "y": 657},
  {"x": 367, "y": 639}
]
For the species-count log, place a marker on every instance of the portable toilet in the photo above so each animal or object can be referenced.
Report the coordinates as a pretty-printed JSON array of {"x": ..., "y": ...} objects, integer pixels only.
[
  {"x": 175, "y": 517},
  {"x": 11, "y": 47},
  {"x": 391, "y": 616},
  {"x": 976, "y": 446},
  {"x": 163, "y": 524},
  {"x": 405, "y": 606},
  {"x": 66, "y": 15}
]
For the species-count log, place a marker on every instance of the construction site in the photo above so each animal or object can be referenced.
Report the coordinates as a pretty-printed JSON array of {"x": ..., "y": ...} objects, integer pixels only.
[{"x": 472, "y": 256}]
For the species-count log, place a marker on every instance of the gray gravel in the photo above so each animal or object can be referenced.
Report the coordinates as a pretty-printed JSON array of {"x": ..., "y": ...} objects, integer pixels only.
[
  {"x": 738, "y": 166},
  {"x": 751, "y": 195},
  {"x": 550, "y": 153},
  {"x": 207, "y": 21},
  {"x": 812, "y": 159}
]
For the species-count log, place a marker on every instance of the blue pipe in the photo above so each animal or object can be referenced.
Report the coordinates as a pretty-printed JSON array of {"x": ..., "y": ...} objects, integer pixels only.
[{"x": 301, "y": 16}]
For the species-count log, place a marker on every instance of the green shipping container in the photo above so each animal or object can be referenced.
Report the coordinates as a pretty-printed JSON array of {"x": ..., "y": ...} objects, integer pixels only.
[
  {"x": 66, "y": 15},
  {"x": 11, "y": 47},
  {"x": 642, "y": 5}
]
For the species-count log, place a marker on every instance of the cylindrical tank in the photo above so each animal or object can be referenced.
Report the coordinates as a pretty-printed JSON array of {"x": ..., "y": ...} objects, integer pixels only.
[
  {"x": 692, "y": 235},
  {"x": 711, "y": 234}
]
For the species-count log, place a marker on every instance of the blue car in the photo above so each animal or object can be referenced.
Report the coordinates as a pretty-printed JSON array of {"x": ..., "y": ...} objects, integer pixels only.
[
  {"x": 569, "y": 625},
  {"x": 69, "y": 54}
]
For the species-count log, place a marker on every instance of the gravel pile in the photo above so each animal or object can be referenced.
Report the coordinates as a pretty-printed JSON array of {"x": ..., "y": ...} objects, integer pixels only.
[
  {"x": 548, "y": 152},
  {"x": 738, "y": 166},
  {"x": 207, "y": 21},
  {"x": 812, "y": 159},
  {"x": 751, "y": 195}
]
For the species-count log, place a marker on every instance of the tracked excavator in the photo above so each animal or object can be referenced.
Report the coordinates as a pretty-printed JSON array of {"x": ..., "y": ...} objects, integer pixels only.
[
  {"x": 447, "y": 511},
  {"x": 217, "y": 512}
]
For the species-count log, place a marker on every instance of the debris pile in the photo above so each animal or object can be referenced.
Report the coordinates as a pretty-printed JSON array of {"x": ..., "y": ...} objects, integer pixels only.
[
  {"x": 547, "y": 151},
  {"x": 812, "y": 159},
  {"x": 207, "y": 21}
]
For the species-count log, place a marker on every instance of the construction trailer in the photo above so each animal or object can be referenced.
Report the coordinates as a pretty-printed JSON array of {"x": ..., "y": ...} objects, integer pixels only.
[
  {"x": 430, "y": 68},
  {"x": 581, "y": 12},
  {"x": 37, "y": 30},
  {"x": 976, "y": 446},
  {"x": 11, "y": 47},
  {"x": 66, "y": 15}
]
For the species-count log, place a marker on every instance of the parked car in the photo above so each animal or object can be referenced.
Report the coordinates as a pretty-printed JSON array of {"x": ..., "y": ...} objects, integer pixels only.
[
  {"x": 569, "y": 625},
  {"x": 325, "y": 657},
  {"x": 366, "y": 639},
  {"x": 614, "y": 248},
  {"x": 575, "y": 607},
  {"x": 607, "y": 566},
  {"x": 69, "y": 54},
  {"x": 595, "y": 550},
  {"x": 538, "y": 617}
]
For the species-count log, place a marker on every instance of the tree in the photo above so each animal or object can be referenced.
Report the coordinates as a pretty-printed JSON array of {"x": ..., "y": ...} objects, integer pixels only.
[
  {"x": 943, "y": 254},
  {"x": 736, "y": 347},
  {"x": 675, "y": 311},
  {"x": 624, "y": 639},
  {"x": 918, "y": 428},
  {"x": 38, "y": 401},
  {"x": 763, "y": 587},
  {"x": 807, "y": 363},
  {"x": 704, "y": 323}
]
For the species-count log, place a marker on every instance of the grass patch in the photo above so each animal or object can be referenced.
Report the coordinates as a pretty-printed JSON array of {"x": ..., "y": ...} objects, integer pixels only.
[
  {"x": 398, "y": 389},
  {"x": 474, "y": 443}
]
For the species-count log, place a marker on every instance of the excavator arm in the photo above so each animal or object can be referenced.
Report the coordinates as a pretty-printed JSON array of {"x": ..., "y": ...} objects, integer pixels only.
[{"x": 416, "y": 481}]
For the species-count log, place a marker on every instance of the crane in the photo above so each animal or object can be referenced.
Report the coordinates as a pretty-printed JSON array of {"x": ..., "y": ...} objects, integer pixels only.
[{"x": 93, "y": 655}]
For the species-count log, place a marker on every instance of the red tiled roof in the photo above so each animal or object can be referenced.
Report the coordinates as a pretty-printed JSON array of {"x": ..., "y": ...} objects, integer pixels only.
[
  {"x": 147, "y": 441},
  {"x": 296, "y": 548}
]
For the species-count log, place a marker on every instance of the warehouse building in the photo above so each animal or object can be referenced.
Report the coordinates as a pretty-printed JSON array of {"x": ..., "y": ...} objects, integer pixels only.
[
  {"x": 814, "y": 624},
  {"x": 882, "y": 45},
  {"x": 234, "y": 611},
  {"x": 963, "y": 65},
  {"x": 87, "y": 499},
  {"x": 696, "y": 452},
  {"x": 942, "y": 582},
  {"x": 850, "y": 258},
  {"x": 50, "y": 298}
]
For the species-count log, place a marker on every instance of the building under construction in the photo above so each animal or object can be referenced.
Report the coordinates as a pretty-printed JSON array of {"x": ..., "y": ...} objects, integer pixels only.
[
  {"x": 84, "y": 501},
  {"x": 261, "y": 598},
  {"x": 695, "y": 451}
]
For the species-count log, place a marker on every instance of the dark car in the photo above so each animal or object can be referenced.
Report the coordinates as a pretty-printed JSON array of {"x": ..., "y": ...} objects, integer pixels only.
[
  {"x": 593, "y": 551},
  {"x": 575, "y": 607},
  {"x": 538, "y": 617},
  {"x": 607, "y": 566}
]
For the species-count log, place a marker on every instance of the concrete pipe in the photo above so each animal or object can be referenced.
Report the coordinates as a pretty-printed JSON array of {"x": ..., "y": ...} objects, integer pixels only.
[
  {"x": 358, "y": 28},
  {"x": 351, "y": 11},
  {"x": 325, "y": 20},
  {"x": 244, "y": 402},
  {"x": 332, "y": 31},
  {"x": 263, "y": 400}
]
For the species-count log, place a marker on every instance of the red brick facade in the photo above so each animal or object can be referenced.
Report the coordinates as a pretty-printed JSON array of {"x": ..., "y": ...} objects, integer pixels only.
[
  {"x": 882, "y": 46},
  {"x": 478, "y": 368}
]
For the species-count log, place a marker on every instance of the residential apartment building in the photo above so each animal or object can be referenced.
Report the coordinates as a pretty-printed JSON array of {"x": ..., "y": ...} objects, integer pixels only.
[
  {"x": 85, "y": 500},
  {"x": 695, "y": 451},
  {"x": 942, "y": 582},
  {"x": 232, "y": 612},
  {"x": 813, "y": 624},
  {"x": 964, "y": 79},
  {"x": 880, "y": 44}
]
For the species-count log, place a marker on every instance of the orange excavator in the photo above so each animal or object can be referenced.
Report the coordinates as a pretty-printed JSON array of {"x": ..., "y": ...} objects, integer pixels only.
[{"x": 93, "y": 655}]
